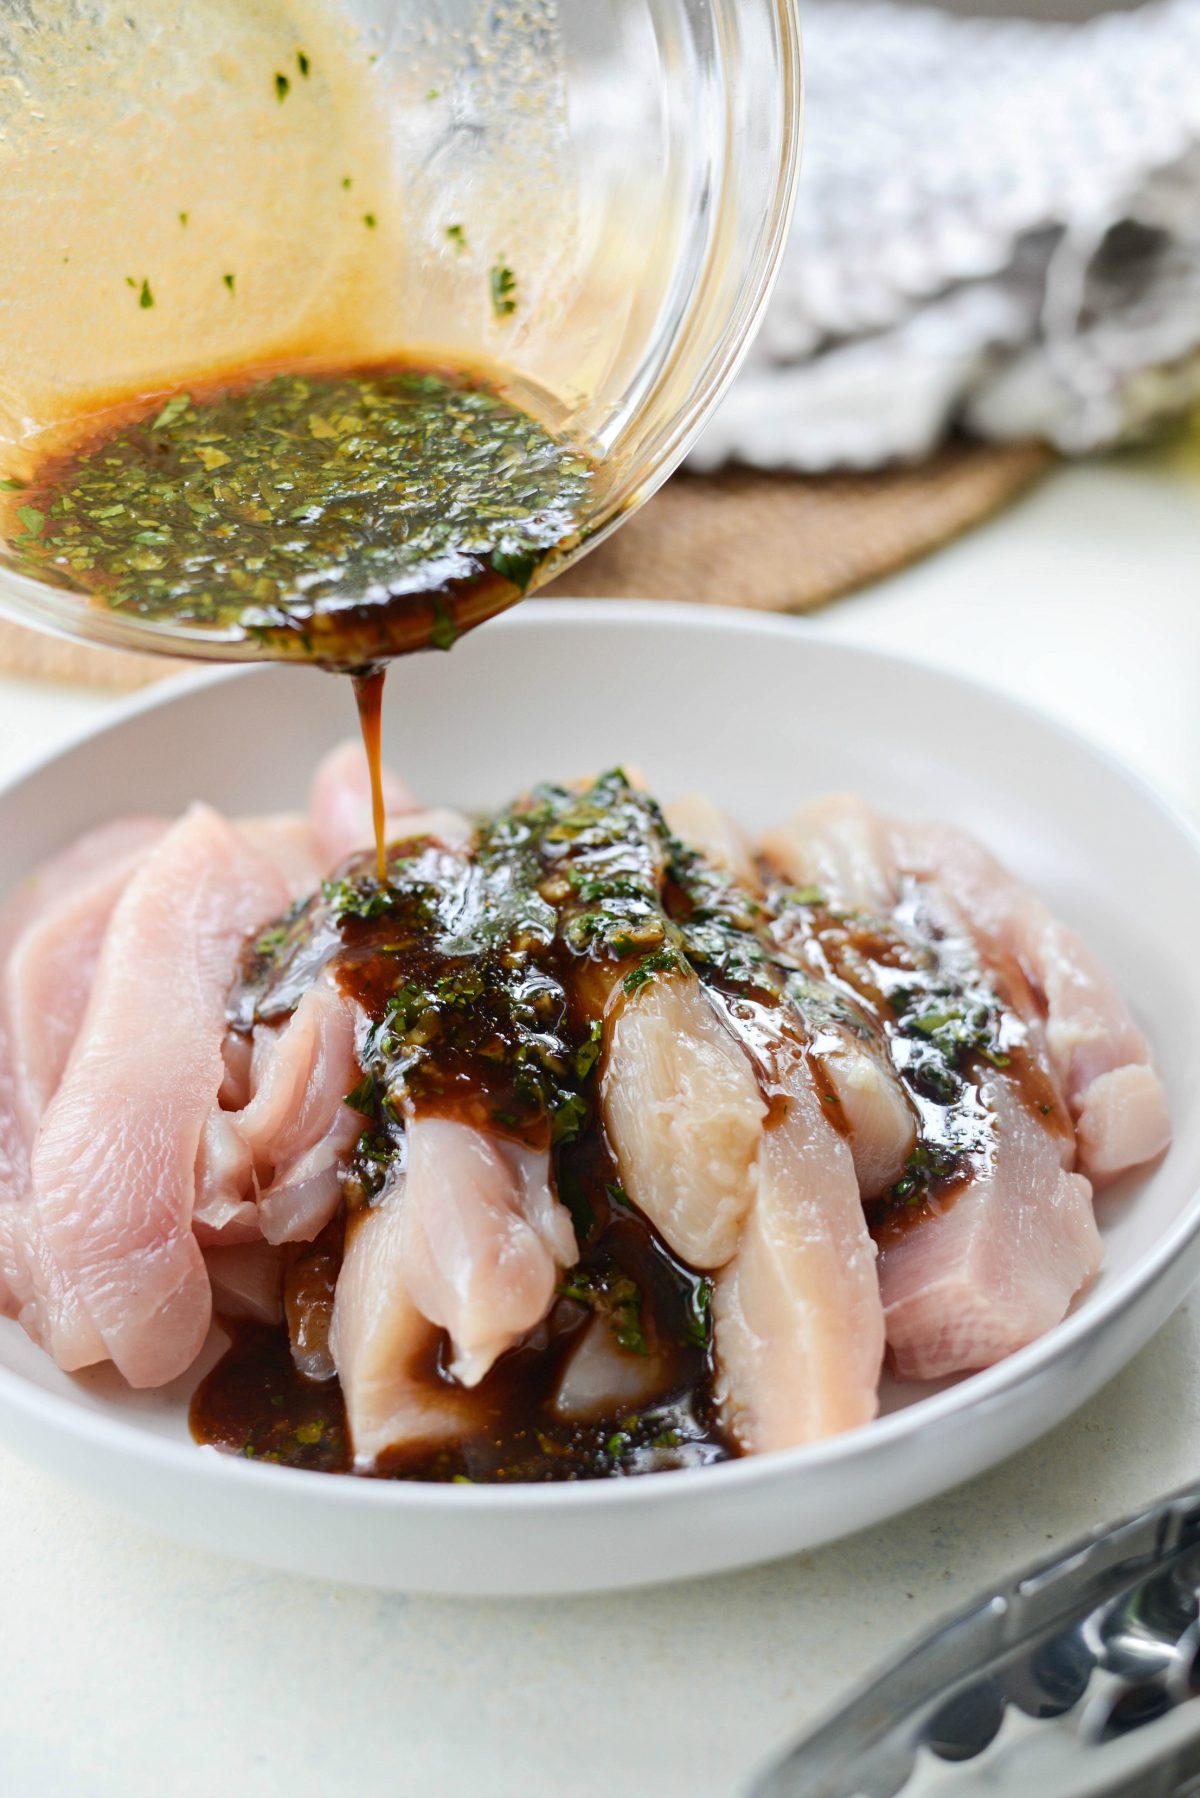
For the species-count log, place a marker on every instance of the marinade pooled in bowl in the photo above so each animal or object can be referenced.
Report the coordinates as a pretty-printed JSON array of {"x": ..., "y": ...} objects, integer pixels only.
[{"x": 338, "y": 515}]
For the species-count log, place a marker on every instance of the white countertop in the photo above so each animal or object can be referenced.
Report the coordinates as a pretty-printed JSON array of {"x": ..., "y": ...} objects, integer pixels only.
[{"x": 130, "y": 1668}]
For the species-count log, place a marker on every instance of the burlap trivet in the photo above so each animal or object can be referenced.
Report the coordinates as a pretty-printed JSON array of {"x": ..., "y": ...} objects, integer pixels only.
[{"x": 774, "y": 542}]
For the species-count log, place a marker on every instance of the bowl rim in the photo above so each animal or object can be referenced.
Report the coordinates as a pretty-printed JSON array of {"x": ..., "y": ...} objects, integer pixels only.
[{"x": 1006, "y": 1380}]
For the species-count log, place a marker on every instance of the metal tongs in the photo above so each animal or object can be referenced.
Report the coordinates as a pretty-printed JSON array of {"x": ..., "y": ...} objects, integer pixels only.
[{"x": 1079, "y": 1678}]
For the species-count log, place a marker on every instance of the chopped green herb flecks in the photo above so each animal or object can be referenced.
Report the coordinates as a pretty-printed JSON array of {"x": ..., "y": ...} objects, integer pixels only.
[
  {"x": 303, "y": 64},
  {"x": 444, "y": 632},
  {"x": 256, "y": 1404},
  {"x": 699, "y": 1322},
  {"x": 928, "y": 1164},
  {"x": 664, "y": 961},
  {"x": 615, "y": 1297},
  {"x": 488, "y": 977},
  {"x": 359, "y": 1097},
  {"x": 172, "y": 412},
  {"x": 282, "y": 87},
  {"x": 515, "y": 566},
  {"x": 230, "y": 281},
  {"x": 504, "y": 291},
  {"x": 369, "y": 220},
  {"x": 588, "y": 1053},
  {"x": 465, "y": 963},
  {"x": 145, "y": 297},
  {"x": 916, "y": 993},
  {"x": 569, "y": 1117},
  {"x": 334, "y": 517},
  {"x": 456, "y": 235}
]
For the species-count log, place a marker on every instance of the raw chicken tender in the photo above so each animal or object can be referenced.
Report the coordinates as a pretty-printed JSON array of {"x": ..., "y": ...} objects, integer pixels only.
[
  {"x": 273, "y": 1167},
  {"x": 998, "y": 1261},
  {"x": 50, "y": 939},
  {"x": 381, "y": 1342},
  {"x": 483, "y": 1239},
  {"x": 684, "y": 1115},
  {"x": 799, "y": 1326},
  {"x": 999, "y": 1267},
  {"x": 289, "y": 841},
  {"x": 716, "y": 836},
  {"x": 115, "y": 1267},
  {"x": 1115, "y": 1094}
]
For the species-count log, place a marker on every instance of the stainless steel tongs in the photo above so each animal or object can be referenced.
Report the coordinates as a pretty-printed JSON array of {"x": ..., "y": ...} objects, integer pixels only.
[{"x": 1081, "y": 1677}]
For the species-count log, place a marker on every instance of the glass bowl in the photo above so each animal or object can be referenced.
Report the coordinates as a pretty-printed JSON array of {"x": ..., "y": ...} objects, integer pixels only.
[{"x": 192, "y": 189}]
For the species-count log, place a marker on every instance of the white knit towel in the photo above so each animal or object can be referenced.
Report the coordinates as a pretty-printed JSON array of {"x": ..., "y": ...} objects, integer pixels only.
[{"x": 998, "y": 228}]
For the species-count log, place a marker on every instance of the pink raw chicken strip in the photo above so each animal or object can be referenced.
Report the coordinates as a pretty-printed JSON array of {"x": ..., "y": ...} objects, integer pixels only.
[
  {"x": 225, "y": 1211},
  {"x": 837, "y": 851},
  {"x": 483, "y": 1239},
  {"x": 272, "y": 1168},
  {"x": 304, "y": 1196},
  {"x": 50, "y": 935},
  {"x": 1113, "y": 1090},
  {"x": 289, "y": 841},
  {"x": 14, "y": 1188},
  {"x": 881, "y": 1120},
  {"x": 115, "y": 1267},
  {"x": 50, "y": 939},
  {"x": 381, "y": 1342},
  {"x": 684, "y": 1114},
  {"x": 90, "y": 855},
  {"x": 719, "y": 838},
  {"x": 966, "y": 1287},
  {"x": 271, "y": 1153},
  {"x": 247, "y": 1281},
  {"x": 775, "y": 1207},
  {"x": 799, "y": 1330},
  {"x": 1000, "y": 1266}
]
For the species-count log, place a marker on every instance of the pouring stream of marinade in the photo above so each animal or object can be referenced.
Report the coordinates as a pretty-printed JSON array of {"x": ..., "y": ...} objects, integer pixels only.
[{"x": 339, "y": 516}]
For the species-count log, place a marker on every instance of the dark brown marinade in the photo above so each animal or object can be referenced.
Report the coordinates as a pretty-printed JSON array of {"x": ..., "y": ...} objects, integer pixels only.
[
  {"x": 918, "y": 988},
  {"x": 368, "y": 695},
  {"x": 659, "y": 1308},
  {"x": 256, "y": 1403},
  {"x": 482, "y": 974},
  {"x": 335, "y": 515},
  {"x": 340, "y": 515}
]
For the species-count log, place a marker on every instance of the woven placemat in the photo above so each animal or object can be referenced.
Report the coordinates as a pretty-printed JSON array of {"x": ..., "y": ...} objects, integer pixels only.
[
  {"x": 778, "y": 543},
  {"x": 787, "y": 543}
]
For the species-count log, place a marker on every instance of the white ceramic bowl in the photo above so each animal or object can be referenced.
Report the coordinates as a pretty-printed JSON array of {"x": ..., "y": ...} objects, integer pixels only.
[{"x": 763, "y": 717}]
